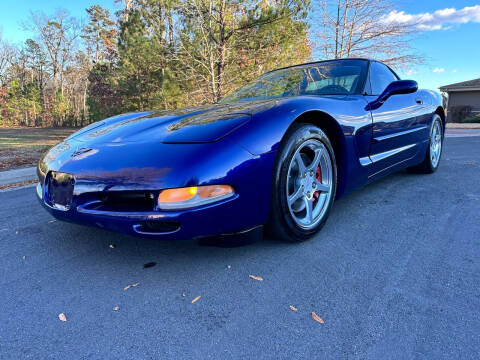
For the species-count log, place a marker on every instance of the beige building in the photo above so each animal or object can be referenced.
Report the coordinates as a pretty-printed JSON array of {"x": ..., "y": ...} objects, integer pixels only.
[{"x": 463, "y": 96}]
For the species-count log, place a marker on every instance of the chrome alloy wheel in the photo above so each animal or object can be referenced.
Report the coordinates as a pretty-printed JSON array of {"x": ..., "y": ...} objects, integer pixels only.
[
  {"x": 309, "y": 183},
  {"x": 436, "y": 144}
]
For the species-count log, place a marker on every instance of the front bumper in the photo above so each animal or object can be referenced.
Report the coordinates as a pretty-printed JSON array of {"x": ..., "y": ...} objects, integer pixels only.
[
  {"x": 98, "y": 170},
  {"x": 209, "y": 220}
]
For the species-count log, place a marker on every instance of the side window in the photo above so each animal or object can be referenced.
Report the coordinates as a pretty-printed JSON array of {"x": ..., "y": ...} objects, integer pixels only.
[{"x": 380, "y": 77}]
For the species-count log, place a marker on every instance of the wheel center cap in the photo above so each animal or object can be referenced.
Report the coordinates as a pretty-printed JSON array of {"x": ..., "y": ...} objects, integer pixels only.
[{"x": 308, "y": 187}]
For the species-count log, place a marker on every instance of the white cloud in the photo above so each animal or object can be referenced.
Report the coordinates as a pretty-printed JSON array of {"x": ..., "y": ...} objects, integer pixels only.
[
  {"x": 411, "y": 72},
  {"x": 436, "y": 20},
  {"x": 438, "y": 70},
  {"x": 454, "y": 70}
]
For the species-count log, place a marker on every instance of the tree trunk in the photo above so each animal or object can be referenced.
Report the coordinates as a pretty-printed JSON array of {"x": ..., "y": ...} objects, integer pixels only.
[
  {"x": 337, "y": 29},
  {"x": 221, "y": 52},
  {"x": 84, "y": 102},
  {"x": 170, "y": 28}
]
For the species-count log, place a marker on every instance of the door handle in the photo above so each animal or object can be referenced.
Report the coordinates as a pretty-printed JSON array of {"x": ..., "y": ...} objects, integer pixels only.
[{"x": 419, "y": 101}]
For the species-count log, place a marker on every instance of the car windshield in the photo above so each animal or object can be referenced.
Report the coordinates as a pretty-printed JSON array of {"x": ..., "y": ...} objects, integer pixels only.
[{"x": 338, "y": 77}]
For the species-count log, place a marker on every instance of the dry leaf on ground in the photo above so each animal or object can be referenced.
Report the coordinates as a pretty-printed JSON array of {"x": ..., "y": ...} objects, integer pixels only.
[
  {"x": 196, "y": 299},
  {"x": 293, "y": 308},
  {"x": 258, "y": 278},
  {"x": 317, "y": 318},
  {"x": 62, "y": 317},
  {"x": 130, "y": 285},
  {"x": 149, "y": 264}
]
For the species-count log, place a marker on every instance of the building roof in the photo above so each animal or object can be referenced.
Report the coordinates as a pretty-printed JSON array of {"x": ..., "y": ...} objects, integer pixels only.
[{"x": 469, "y": 85}]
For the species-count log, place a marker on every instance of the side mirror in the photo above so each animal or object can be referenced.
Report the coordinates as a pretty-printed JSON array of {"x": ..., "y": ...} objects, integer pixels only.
[{"x": 394, "y": 88}]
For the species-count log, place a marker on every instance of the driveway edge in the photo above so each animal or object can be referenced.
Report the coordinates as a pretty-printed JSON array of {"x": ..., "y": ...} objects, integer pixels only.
[{"x": 17, "y": 176}]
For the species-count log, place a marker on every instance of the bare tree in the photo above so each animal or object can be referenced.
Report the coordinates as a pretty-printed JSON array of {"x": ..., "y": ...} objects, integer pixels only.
[
  {"x": 212, "y": 30},
  {"x": 7, "y": 56},
  {"x": 57, "y": 37},
  {"x": 358, "y": 28}
]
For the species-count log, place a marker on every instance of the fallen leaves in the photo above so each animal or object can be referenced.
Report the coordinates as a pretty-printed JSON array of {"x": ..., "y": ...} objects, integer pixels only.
[
  {"x": 62, "y": 317},
  {"x": 258, "y": 278},
  {"x": 15, "y": 185},
  {"x": 130, "y": 285},
  {"x": 317, "y": 318}
]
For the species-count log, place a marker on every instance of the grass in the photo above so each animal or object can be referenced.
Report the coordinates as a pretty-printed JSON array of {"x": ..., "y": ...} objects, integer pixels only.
[{"x": 22, "y": 146}]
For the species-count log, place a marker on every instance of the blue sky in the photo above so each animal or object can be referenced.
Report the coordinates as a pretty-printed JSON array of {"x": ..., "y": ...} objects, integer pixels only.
[{"x": 448, "y": 39}]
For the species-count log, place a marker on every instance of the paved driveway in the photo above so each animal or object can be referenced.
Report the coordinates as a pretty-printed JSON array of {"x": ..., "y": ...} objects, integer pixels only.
[{"x": 394, "y": 274}]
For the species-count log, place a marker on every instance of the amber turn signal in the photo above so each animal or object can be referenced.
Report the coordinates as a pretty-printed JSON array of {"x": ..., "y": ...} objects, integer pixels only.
[{"x": 177, "y": 195}]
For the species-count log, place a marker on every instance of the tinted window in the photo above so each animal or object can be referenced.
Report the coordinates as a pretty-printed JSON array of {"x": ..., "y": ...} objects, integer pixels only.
[
  {"x": 341, "y": 77},
  {"x": 380, "y": 77}
]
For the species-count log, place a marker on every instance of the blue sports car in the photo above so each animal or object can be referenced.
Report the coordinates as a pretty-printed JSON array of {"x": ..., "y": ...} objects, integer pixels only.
[{"x": 276, "y": 152}]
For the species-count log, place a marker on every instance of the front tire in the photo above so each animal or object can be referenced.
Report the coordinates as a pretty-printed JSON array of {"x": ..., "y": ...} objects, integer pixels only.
[
  {"x": 304, "y": 184},
  {"x": 434, "y": 151}
]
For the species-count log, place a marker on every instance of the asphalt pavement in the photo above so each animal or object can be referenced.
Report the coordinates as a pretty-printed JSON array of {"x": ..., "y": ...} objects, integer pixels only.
[{"x": 394, "y": 274}]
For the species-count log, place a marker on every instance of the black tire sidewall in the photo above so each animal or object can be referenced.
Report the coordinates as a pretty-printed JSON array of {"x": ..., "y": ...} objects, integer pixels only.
[{"x": 281, "y": 218}]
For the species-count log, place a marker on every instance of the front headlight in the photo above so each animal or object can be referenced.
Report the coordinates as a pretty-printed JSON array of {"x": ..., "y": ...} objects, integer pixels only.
[{"x": 189, "y": 197}]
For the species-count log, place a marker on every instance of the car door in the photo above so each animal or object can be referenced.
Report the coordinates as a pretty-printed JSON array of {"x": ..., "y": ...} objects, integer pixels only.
[{"x": 397, "y": 130}]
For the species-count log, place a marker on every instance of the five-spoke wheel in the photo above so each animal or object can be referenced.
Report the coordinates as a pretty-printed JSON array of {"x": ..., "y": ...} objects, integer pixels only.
[
  {"x": 436, "y": 143},
  {"x": 304, "y": 184},
  {"x": 434, "y": 150},
  {"x": 309, "y": 183}
]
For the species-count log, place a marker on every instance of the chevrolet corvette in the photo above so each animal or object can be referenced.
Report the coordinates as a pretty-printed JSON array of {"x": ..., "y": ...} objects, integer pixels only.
[{"x": 275, "y": 153}]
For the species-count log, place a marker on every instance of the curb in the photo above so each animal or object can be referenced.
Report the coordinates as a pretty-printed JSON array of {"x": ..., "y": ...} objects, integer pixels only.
[
  {"x": 18, "y": 176},
  {"x": 462, "y": 126}
]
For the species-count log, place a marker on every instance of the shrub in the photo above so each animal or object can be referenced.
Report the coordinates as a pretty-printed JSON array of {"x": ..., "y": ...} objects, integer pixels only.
[{"x": 472, "y": 119}]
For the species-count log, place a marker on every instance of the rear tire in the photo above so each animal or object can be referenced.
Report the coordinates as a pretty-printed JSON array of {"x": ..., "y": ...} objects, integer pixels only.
[
  {"x": 304, "y": 184},
  {"x": 434, "y": 150}
]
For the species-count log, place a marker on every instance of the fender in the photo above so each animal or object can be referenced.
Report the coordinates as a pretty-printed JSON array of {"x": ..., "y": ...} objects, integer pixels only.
[{"x": 348, "y": 112}]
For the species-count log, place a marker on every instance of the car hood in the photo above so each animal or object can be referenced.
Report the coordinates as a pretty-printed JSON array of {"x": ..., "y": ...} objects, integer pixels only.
[{"x": 191, "y": 125}]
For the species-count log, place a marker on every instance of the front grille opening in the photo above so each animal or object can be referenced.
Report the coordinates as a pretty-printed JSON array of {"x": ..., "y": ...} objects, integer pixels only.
[{"x": 125, "y": 202}]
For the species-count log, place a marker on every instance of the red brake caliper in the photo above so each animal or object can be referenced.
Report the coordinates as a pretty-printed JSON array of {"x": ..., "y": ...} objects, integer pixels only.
[{"x": 318, "y": 176}]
